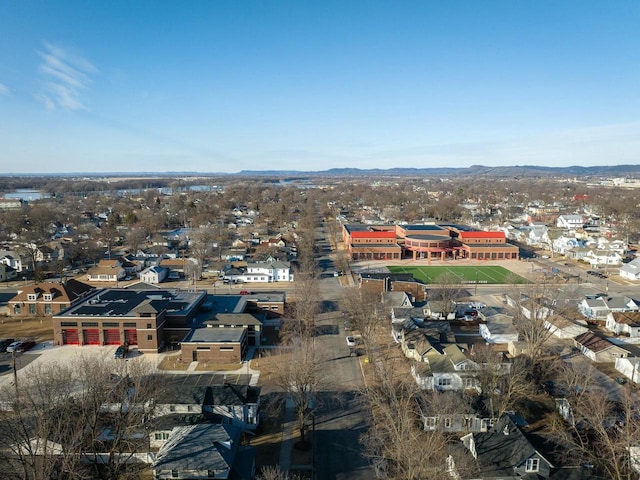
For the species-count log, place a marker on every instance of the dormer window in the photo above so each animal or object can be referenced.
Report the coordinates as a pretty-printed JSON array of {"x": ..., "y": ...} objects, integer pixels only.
[
  {"x": 47, "y": 297},
  {"x": 32, "y": 297}
]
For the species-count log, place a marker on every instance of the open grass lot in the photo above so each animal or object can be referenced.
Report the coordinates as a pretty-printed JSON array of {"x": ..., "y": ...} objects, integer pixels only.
[
  {"x": 38, "y": 329},
  {"x": 467, "y": 274}
]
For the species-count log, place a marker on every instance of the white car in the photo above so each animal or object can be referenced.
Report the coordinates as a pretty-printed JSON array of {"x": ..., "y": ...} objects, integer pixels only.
[{"x": 351, "y": 342}]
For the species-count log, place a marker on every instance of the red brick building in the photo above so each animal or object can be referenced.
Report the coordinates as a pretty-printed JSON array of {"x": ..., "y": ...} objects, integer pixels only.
[{"x": 438, "y": 242}]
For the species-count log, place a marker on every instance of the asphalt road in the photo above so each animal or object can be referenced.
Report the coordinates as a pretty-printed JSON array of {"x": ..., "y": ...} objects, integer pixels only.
[{"x": 339, "y": 418}]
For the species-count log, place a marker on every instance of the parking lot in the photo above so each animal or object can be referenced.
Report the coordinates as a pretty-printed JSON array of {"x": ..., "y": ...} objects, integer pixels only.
[{"x": 205, "y": 379}]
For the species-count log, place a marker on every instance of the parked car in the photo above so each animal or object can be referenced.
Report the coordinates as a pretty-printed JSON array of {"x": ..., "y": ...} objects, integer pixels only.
[
  {"x": 351, "y": 342},
  {"x": 14, "y": 346},
  {"x": 121, "y": 351},
  {"x": 4, "y": 343},
  {"x": 26, "y": 345},
  {"x": 20, "y": 346}
]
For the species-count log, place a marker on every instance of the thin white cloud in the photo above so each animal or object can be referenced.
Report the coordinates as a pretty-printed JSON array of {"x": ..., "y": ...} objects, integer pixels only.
[
  {"x": 65, "y": 75},
  {"x": 4, "y": 90}
]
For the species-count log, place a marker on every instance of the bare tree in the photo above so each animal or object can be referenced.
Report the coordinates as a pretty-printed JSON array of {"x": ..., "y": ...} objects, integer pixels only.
[
  {"x": 274, "y": 473},
  {"x": 447, "y": 291},
  {"x": 502, "y": 385},
  {"x": 41, "y": 426},
  {"x": 78, "y": 421},
  {"x": 605, "y": 433},
  {"x": 301, "y": 374}
]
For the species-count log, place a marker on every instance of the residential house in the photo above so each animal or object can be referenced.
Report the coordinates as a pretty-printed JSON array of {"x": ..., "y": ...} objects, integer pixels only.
[
  {"x": 624, "y": 323},
  {"x": 7, "y": 273},
  {"x": 179, "y": 267},
  {"x": 598, "y": 349},
  {"x": 445, "y": 368},
  {"x": 505, "y": 452},
  {"x": 597, "y": 258},
  {"x": 266, "y": 272},
  {"x": 563, "y": 244},
  {"x": 538, "y": 235},
  {"x": 598, "y": 307},
  {"x": 228, "y": 404},
  {"x": 563, "y": 327},
  {"x": 48, "y": 298},
  {"x": 154, "y": 275},
  {"x": 629, "y": 367},
  {"x": 12, "y": 260},
  {"x": 108, "y": 271},
  {"x": 631, "y": 270},
  {"x": 204, "y": 451},
  {"x": 417, "y": 340},
  {"x": 570, "y": 222},
  {"x": 499, "y": 328},
  {"x": 394, "y": 282}
]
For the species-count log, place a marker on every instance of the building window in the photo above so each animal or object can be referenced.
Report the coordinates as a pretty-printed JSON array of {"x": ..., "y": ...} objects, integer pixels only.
[
  {"x": 447, "y": 422},
  {"x": 48, "y": 297},
  {"x": 148, "y": 325},
  {"x": 444, "y": 382},
  {"x": 63, "y": 306},
  {"x": 150, "y": 337},
  {"x": 533, "y": 465},
  {"x": 431, "y": 422},
  {"x": 16, "y": 310},
  {"x": 211, "y": 474},
  {"x": 32, "y": 296},
  {"x": 226, "y": 349},
  {"x": 32, "y": 309},
  {"x": 174, "y": 474},
  {"x": 68, "y": 324},
  {"x": 47, "y": 309}
]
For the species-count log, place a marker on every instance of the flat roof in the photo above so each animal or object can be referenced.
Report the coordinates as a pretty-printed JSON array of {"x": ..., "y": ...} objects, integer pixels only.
[
  {"x": 421, "y": 227},
  {"x": 121, "y": 302},
  {"x": 215, "y": 335},
  {"x": 438, "y": 238}
]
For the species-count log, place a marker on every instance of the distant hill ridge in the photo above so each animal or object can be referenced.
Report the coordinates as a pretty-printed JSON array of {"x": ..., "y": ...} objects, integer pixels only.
[{"x": 477, "y": 170}]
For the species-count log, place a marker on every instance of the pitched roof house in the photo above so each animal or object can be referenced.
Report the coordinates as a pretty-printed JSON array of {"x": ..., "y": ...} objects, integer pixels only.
[
  {"x": 505, "y": 452},
  {"x": 598, "y": 348},
  {"x": 204, "y": 451}
]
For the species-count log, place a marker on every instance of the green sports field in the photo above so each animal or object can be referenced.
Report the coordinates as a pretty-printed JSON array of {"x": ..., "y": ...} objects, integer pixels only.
[{"x": 471, "y": 275}]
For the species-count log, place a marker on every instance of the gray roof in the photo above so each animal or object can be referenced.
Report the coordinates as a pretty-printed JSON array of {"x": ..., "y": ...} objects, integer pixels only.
[
  {"x": 233, "y": 319},
  {"x": 121, "y": 302},
  {"x": 199, "y": 447},
  {"x": 503, "y": 447},
  {"x": 215, "y": 335}
]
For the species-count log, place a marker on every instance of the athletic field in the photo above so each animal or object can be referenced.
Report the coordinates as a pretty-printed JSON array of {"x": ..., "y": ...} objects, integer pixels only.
[{"x": 466, "y": 274}]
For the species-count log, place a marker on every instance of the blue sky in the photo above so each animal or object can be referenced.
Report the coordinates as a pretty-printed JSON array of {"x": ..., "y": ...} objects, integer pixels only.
[{"x": 221, "y": 86}]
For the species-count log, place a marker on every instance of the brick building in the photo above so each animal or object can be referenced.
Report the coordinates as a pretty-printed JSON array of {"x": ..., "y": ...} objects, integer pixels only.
[
  {"x": 47, "y": 298},
  {"x": 437, "y": 242}
]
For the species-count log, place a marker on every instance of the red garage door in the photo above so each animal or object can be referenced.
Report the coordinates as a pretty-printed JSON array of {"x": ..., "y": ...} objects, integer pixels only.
[
  {"x": 92, "y": 337},
  {"x": 131, "y": 337},
  {"x": 70, "y": 337},
  {"x": 112, "y": 337}
]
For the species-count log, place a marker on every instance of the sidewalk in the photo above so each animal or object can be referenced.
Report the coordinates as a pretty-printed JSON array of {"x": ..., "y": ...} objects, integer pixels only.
[{"x": 288, "y": 427}]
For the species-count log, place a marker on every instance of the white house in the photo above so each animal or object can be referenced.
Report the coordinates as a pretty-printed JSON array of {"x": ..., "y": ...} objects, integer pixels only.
[
  {"x": 499, "y": 329},
  {"x": 538, "y": 234},
  {"x": 267, "y": 272},
  {"x": 629, "y": 367},
  {"x": 603, "y": 257},
  {"x": 154, "y": 275},
  {"x": 562, "y": 327},
  {"x": 631, "y": 270},
  {"x": 597, "y": 308},
  {"x": 624, "y": 323},
  {"x": 13, "y": 260},
  {"x": 562, "y": 244},
  {"x": 570, "y": 222}
]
